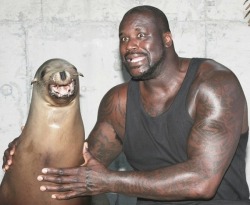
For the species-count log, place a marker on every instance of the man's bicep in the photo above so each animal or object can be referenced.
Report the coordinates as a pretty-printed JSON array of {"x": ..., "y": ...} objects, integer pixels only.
[
  {"x": 104, "y": 144},
  {"x": 217, "y": 125}
]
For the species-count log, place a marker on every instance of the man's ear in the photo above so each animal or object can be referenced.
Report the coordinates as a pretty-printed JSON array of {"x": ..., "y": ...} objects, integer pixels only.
[{"x": 167, "y": 38}]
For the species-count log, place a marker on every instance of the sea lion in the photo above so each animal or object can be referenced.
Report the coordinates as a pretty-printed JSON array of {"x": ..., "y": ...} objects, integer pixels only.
[{"x": 53, "y": 136}]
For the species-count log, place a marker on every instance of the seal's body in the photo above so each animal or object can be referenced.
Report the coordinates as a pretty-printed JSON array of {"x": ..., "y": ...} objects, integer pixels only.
[{"x": 53, "y": 136}]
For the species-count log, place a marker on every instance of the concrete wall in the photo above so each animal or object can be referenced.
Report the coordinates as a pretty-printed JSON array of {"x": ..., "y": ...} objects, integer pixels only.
[{"x": 85, "y": 32}]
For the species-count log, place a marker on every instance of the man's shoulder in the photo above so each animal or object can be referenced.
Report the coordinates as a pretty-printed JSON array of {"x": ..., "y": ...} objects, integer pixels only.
[
  {"x": 120, "y": 89},
  {"x": 214, "y": 79},
  {"x": 117, "y": 95},
  {"x": 211, "y": 70}
]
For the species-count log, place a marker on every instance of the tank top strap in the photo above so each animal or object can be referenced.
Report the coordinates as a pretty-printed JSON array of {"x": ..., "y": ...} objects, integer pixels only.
[{"x": 187, "y": 82}]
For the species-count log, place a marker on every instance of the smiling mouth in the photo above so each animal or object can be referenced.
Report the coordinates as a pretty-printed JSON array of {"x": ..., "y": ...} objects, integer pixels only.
[
  {"x": 135, "y": 59},
  {"x": 62, "y": 91},
  {"x": 133, "y": 56}
]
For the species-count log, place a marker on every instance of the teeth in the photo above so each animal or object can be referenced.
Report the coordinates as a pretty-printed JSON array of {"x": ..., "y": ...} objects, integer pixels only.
[
  {"x": 136, "y": 59},
  {"x": 62, "y": 91}
]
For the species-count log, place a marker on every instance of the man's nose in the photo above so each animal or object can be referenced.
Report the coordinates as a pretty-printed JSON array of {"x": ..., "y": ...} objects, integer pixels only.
[{"x": 132, "y": 44}]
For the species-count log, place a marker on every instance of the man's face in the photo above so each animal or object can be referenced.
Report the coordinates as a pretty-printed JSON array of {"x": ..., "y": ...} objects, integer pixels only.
[{"x": 141, "y": 45}]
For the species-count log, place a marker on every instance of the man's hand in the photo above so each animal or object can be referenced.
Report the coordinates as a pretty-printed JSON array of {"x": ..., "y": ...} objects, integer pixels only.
[
  {"x": 8, "y": 154},
  {"x": 88, "y": 179}
]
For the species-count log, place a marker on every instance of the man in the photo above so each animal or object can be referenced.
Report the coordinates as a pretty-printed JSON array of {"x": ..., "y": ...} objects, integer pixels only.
[{"x": 182, "y": 124}]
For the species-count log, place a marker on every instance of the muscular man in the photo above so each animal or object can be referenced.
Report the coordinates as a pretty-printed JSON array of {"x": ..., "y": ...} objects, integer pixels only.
[{"x": 182, "y": 124}]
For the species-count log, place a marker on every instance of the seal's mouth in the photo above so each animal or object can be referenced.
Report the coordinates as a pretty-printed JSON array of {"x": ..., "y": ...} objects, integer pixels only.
[{"x": 62, "y": 91}]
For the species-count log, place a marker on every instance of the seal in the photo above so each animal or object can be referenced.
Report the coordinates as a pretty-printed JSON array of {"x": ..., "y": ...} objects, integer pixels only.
[{"x": 53, "y": 136}]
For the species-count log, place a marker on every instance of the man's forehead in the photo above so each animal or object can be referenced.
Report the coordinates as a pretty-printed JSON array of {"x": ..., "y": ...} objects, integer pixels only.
[
  {"x": 139, "y": 14},
  {"x": 137, "y": 20}
]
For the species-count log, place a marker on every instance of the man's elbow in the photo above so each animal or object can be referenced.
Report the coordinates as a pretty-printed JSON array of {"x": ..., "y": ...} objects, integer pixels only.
[{"x": 205, "y": 190}]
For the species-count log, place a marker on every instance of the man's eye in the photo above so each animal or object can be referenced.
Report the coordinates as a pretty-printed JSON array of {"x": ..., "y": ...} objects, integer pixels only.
[
  {"x": 140, "y": 35},
  {"x": 124, "y": 39}
]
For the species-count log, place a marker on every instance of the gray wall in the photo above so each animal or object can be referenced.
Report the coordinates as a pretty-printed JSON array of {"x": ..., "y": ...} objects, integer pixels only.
[{"x": 85, "y": 32}]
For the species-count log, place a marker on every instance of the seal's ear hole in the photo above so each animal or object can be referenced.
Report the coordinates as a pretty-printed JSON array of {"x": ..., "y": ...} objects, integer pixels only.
[{"x": 34, "y": 81}]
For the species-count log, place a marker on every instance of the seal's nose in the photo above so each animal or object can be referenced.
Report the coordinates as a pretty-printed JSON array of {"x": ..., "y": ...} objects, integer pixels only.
[{"x": 63, "y": 75}]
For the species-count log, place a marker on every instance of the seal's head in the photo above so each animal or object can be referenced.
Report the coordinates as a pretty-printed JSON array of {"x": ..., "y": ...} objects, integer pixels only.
[{"x": 57, "y": 81}]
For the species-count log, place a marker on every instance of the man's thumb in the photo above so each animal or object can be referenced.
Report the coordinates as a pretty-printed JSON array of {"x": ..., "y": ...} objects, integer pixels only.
[
  {"x": 86, "y": 154},
  {"x": 85, "y": 147}
]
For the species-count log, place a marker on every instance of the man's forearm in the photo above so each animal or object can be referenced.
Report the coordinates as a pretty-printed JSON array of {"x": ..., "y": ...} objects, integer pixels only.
[{"x": 176, "y": 183}]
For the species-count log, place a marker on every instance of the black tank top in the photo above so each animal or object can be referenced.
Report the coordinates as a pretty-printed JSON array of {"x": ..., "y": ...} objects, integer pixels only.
[{"x": 155, "y": 142}]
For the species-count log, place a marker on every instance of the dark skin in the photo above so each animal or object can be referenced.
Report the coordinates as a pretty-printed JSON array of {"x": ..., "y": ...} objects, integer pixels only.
[{"x": 216, "y": 103}]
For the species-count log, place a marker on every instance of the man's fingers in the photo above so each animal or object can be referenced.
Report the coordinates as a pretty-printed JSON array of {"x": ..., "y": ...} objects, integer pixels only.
[
  {"x": 7, "y": 160},
  {"x": 67, "y": 189},
  {"x": 61, "y": 187},
  {"x": 57, "y": 179},
  {"x": 57, "y": 188},
  {"x": 66, "y": 195},
  {"x": 60, "y": 172},
  {"x": 12, "y": 151},
  {"x": 6, "y": 167}
]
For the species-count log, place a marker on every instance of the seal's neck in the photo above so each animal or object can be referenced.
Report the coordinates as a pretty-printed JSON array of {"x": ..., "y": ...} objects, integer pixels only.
[{"x": 55, "y": 120}]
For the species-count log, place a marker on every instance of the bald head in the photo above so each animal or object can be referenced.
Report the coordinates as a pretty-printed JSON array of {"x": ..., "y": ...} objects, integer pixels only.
[{"x": 155, "y": 13}]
